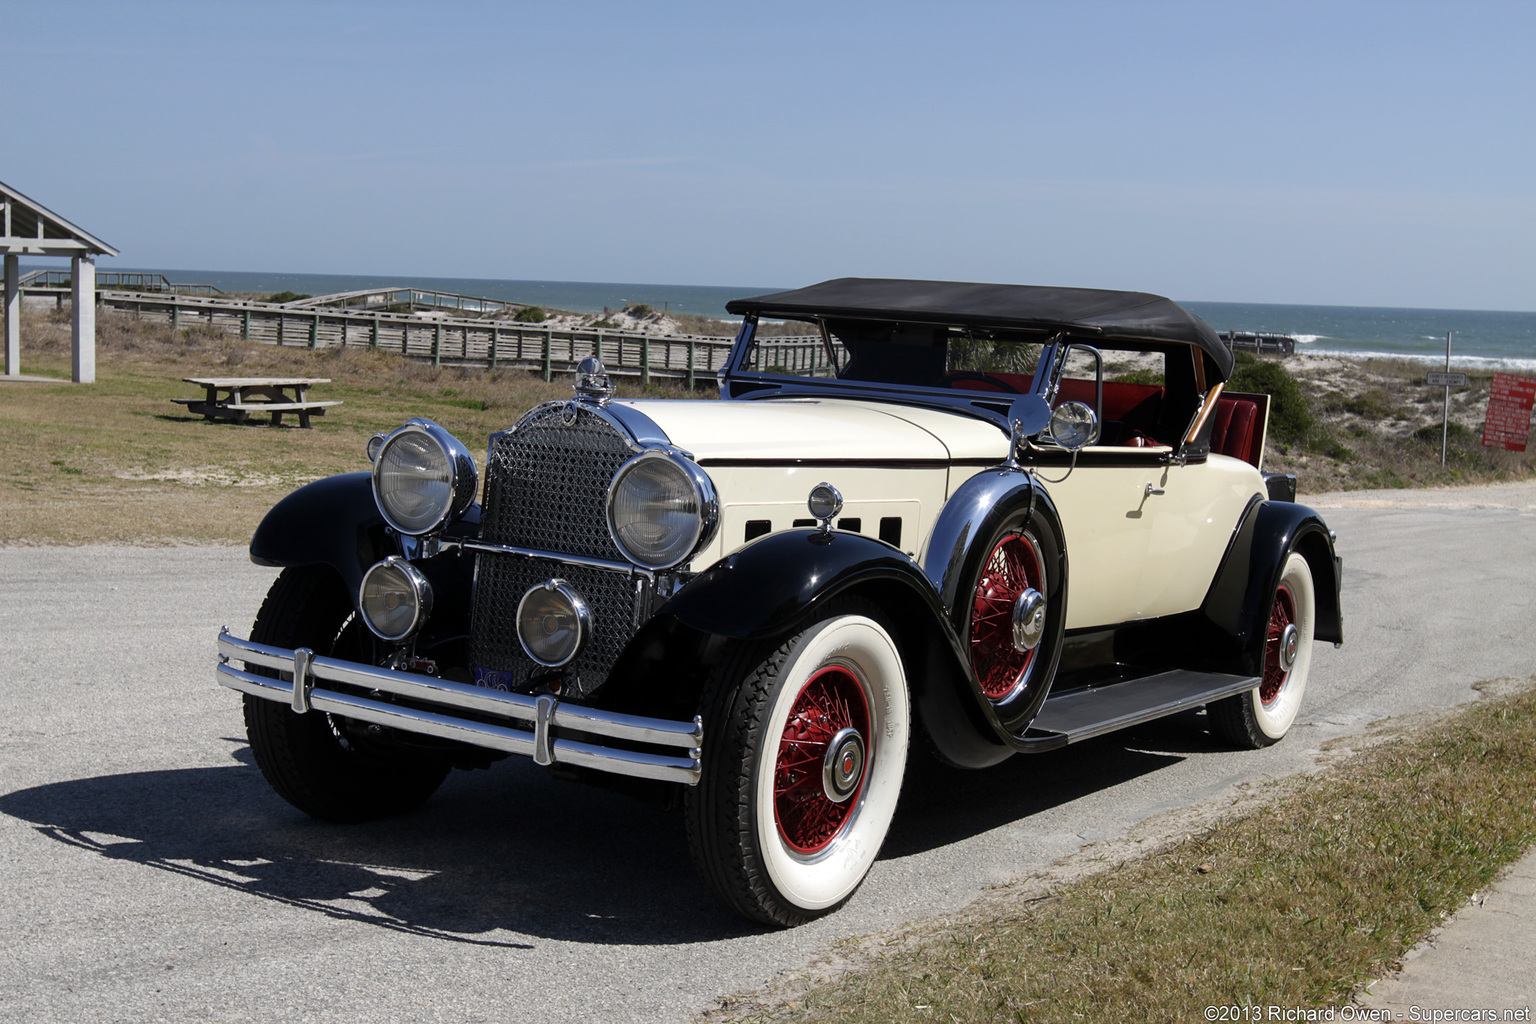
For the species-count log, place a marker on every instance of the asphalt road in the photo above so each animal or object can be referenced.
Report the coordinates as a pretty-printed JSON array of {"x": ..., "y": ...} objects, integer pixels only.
[{"x": 150, "y": 874}]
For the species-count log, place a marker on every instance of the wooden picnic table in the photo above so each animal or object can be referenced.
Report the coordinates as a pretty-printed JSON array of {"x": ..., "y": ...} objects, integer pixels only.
[{"x": 235, "y": 398}]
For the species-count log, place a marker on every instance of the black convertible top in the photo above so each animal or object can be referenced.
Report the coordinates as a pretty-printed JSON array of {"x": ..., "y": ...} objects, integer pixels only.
[{"x": 1130, "y": 315}]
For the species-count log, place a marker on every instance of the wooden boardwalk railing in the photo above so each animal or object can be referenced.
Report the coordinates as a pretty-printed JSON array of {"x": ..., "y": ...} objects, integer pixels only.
[{"x": 454, "y": 341}]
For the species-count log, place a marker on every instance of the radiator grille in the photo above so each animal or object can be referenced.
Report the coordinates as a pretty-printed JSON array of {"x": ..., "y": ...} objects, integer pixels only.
[{"x": 546, "y": 488}]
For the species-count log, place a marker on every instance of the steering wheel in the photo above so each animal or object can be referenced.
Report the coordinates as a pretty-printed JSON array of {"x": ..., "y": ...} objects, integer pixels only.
[{"x": 949, "y": 380}]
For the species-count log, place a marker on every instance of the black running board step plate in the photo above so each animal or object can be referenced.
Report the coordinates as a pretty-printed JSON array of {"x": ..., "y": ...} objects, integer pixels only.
[{"x": 1082, "y": 714}]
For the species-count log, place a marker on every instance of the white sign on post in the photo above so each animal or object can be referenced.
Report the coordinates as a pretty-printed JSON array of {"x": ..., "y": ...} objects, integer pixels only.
[{"x": 1438, "y": 379}]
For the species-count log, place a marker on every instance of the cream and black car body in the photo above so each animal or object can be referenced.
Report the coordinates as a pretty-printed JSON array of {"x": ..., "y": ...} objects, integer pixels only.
[{"x": 967, "y": 520}]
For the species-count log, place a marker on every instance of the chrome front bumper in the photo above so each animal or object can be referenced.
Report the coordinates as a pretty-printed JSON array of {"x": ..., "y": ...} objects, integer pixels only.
[{"x": 533, "y": 728}]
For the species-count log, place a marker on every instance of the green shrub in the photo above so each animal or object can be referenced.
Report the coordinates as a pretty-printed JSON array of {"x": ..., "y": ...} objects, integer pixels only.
[
  {"x": 287, "y": 297},
  {"x": 531, "y": 315},
  {"x": 1292, "y": 420},
  {"x": 1457, "y": 435},
  {"x": 639, "y": 310},
  {"x": 1290, "y": 414}
]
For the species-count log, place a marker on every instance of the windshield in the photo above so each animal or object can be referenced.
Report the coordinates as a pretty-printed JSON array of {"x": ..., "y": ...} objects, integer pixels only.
[{"x": 889, "y": 352}]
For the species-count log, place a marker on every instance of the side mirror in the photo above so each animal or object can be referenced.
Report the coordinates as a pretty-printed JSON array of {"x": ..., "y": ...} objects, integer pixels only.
[{"x": 1028, "y": 415}]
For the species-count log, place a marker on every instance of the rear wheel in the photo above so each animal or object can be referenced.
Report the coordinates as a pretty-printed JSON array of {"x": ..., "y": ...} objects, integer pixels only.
[
  {"x": 803, "y": 763},
  {"x": 325, "y": 765},
  {"x": 1264, "y": 715}
]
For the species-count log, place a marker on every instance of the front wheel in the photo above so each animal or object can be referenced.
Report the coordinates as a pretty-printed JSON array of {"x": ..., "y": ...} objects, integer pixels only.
[
  {"x": 803, "y": 760},
  {"x": 1264, "y": 714},
  {"x": 327, "y": 766}
]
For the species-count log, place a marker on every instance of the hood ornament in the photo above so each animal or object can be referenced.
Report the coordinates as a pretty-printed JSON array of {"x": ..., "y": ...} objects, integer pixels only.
[{"x": 592, "y": 382}]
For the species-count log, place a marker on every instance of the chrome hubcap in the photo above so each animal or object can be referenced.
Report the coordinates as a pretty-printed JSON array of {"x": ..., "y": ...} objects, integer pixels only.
[
  {"x": 844, "y": 765},
  {"x": 1028, "y": 620},
  {"x": 1290, "y": 643}
]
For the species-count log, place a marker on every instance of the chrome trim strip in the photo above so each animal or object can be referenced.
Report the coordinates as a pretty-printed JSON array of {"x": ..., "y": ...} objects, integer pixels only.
[
  {"x": 641, "y": 427},
  {"x": 473, "y": 544},
  {"x": 546, "y": 715}
]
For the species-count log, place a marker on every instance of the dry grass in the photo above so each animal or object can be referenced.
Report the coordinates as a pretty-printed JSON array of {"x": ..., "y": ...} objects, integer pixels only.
[
  {"x": 1297, "y": 904},
  {"x": 118, "y": 462},
  {"x": 1382, "y": 428}
]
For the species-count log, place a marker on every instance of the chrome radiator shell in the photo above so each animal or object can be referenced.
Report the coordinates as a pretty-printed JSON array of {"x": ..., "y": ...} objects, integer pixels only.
[{"x": 546, "y": 489}]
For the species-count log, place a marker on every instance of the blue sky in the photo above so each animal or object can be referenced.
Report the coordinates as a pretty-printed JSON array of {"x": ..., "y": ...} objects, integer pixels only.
[{"x": 1345, "y": 153}]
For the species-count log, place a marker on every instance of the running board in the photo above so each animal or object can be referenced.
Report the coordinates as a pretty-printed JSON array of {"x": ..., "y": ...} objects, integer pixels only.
[{"x": 1083, "y": 714}]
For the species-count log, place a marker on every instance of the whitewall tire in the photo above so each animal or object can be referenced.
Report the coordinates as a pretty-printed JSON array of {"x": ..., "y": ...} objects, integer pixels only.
[{"x": 803, "y": 764}]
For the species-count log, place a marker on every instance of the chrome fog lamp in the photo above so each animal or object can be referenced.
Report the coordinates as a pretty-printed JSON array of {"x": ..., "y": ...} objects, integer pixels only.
[
  {"x": 553, "y": 623},
  {"x": 661, "y": 508},
  {"x": 1073, "y": 425},
  {"x": 395, "y": 599},
  {"x": 422, "y": 477}
]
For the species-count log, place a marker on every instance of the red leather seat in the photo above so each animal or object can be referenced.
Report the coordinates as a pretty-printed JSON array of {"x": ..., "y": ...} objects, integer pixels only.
[{"x": 1233, "y": 431}]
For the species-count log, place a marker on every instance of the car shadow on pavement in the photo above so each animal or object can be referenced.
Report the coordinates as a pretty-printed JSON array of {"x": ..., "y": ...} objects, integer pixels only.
[
  {"x": 495, "y": 856},
  {"x": 498, "y": 856},
  {"x": 942, "y": 805}
]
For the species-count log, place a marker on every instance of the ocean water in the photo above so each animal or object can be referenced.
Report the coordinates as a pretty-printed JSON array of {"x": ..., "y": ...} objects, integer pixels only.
[{"x": 1479, "y": 338}]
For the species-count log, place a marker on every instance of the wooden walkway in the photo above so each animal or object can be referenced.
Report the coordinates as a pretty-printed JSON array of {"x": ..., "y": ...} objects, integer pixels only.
[{"x": 452, "y": 341}]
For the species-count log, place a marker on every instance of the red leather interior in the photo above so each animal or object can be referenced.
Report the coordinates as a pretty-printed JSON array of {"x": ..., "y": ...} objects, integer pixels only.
[{"x": 1233, "y": 431}]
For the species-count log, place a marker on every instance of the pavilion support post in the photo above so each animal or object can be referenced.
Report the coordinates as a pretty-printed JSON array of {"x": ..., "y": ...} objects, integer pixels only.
[
  {"x": 83, "y": 318},
  {"x": 12, "y": 313}
]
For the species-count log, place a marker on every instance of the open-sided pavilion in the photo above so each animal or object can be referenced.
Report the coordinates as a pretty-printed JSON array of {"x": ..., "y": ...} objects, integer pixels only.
[{"x": 27, "y": 228}]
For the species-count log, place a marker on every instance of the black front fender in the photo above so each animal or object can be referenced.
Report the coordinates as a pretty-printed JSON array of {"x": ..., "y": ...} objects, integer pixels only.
[
  {"x": 333, "y": 521},
  {"x": 336, "y": 522},
  {"x": 764, "y": 588}
]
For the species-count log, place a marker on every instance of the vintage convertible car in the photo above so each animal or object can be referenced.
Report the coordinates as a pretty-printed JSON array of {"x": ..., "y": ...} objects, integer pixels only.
[{"x": 973, "y": 520}]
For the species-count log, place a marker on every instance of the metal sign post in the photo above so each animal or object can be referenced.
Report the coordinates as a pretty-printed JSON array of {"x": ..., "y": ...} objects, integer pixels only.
[{"x": 1446, "y": 380}]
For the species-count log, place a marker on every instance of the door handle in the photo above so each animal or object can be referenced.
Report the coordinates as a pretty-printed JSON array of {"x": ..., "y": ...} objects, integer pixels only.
[{"x": 1152, "y": 489}]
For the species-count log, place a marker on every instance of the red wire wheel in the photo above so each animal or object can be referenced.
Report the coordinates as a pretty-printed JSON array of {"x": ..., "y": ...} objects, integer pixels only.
[
  {"x": 1281, "y": 614},
  {"x": 1012, "y": 567},
  {"x": 830, "y": 710}
]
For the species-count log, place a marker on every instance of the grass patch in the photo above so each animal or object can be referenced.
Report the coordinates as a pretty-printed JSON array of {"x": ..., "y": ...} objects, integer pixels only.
[
  {"x": 118, "y": 462},
  {"x": 1298, "y": 903}
]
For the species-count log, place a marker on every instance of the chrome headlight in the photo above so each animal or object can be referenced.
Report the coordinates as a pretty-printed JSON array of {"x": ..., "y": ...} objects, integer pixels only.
[
  {"x": 553, "y": 623},
  {"x": 395, "y": 598},
  {"x": 661, "y": 509},
  {"x": 422, "y": 477}
]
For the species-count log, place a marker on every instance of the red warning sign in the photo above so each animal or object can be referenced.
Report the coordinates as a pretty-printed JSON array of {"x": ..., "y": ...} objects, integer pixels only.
[{"x": 1508, "y": 423}]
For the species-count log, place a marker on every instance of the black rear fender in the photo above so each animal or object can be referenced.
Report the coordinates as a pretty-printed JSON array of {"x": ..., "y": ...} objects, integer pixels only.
[{"x": 1237, "y": 606}]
